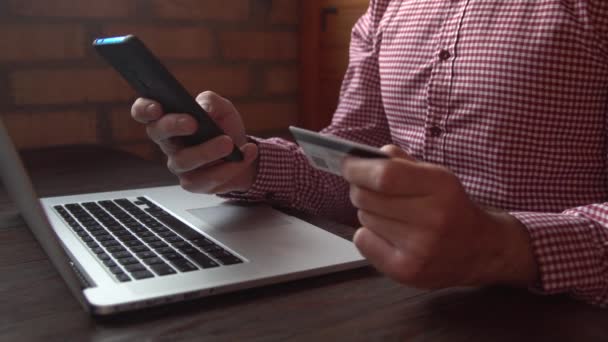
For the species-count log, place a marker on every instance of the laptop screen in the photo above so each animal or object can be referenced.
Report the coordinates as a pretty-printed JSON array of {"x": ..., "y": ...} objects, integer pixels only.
[{"x": 21, "y": 191}]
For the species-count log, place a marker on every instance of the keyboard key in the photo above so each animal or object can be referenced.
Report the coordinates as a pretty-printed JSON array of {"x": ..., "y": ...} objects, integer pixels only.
[
  {"x": 127, "y": 261},
  {"x": 123, "y": 254},
  {"x": 110, "y": 243},
  {"x": 212, "y": 248},
  {"x": 99, "y": 234},
  {"x": 127, "y": 238},
  {"x": 178, "y": 226},
  {"x": 203, "y": 261},
  {"x": 202, "y": 242},
  {"x": 151, "y": 239},
  {"x": 167, "y": 234},
  {"x": 109, "y": 263},
  {"x": 145, "y": 234},
  {"x": 180, "y": 244},
  {"x": 158, "y": 244},
  {"x": 92, "y": 244},
  {"x": 220, "y": 254},
  {"x": 170, "y": 256},
  {"x": 188, "y": 250},
  {"x": 135, "y": 267},
  {"x": 165, "y": 250},
  {"x": 230, "y": 260},
  {"x": 98, "y": 250},
  {"x": 122, "y": 277},
  {"x": 137, "y": 229},
  {"x": 116, "y": 270},
  {"x": 106, "y": 237},
  {"x": 133, "y": 243},
  {"x": 121, "y": 232},
  {"x": 115, "y": 249},
  {"x": 183, "y": 265},
  {"x": 153, "y": 261},
  {"x": 142, "y": 274},
  {"x": 103, "y": 256},
  {"x": 163, "y": 269},
  {"x": 146, "y": 254},
  {"x": 174, "y": 239},
  {"x": 139, "y": 249}
]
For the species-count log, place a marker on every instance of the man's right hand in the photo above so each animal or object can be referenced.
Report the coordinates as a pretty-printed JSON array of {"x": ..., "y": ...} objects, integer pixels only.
[{"x": 200, "y": 168}]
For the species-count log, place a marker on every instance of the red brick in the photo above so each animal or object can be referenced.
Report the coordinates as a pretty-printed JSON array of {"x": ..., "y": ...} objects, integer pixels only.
[
  {"x": 273, "y": 46},
  {"x": 41, "y": 42},
  {"x": 226, "y": 81},
  {"x": 281, "y": 80},
  {"x": 284, "y": 12},
  {"x": 124, "y": 128},
  {"x": 64, "y": 86},
  {"x": 169, "y": 42},
  {"x": 31, "y": 130},
  {"x": 268, "y": 116},
  {"x": 73, "y": 8},
  {"x": 225, "y": 10}
]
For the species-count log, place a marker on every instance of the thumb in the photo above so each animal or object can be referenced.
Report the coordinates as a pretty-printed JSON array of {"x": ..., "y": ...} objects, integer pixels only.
[{"x": 396, "y": 152}]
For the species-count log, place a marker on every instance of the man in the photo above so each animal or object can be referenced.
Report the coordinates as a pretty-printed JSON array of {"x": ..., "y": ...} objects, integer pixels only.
[{"x": 495, "y": 114}]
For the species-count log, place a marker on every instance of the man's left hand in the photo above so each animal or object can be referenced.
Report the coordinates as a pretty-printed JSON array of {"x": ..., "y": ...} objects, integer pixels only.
[{"x": 420, "y": 227}]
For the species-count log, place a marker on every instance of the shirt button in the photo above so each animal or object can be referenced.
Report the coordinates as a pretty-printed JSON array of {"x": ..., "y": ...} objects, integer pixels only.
[
  {"x": 435, "y": 131},
  {"x": 444, "y": 55}
]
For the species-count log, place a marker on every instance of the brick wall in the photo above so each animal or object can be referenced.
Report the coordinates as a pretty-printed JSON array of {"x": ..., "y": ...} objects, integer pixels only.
[{"x": 54, "y": 90}]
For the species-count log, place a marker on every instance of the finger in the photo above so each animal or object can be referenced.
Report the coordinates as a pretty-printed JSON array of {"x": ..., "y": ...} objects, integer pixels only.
[
  {"x": 396, "y": 152},
  {"x": 380, "y": 253},
  {"x": 393, "y": 177},
  {"x": 171, "y": 125},
  {"x": 223, "y": 112},
  {"x": 412, "y": 210},
  {"x": 146, "y": 110},
  {"x": 223, "y": 177},
  {"x": 396, "y": 232},
  {"x": 190, "y": 158},
  {"x": 217, "y": 106}
]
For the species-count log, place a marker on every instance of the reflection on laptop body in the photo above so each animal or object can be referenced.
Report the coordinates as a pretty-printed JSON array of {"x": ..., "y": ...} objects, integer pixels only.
[{"x": 132, "y": 249}]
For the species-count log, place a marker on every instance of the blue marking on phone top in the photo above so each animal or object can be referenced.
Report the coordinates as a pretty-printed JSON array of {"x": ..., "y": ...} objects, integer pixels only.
[{"x": 111, "y": 40}]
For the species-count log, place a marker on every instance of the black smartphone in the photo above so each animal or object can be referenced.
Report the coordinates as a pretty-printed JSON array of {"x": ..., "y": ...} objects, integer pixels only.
[{"x": 151, "y": 79}]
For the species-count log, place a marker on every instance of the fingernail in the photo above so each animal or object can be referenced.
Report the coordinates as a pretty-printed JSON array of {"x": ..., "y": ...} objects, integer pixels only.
[
  {"x": 206, "y": 106},
  {"x": 152, "y": 109}
]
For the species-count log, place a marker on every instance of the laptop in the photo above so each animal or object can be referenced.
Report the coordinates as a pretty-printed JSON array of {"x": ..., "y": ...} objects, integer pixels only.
[{"x": 133, "y": 249}]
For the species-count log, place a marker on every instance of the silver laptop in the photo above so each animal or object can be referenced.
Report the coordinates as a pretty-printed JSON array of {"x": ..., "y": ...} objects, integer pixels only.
[{"x": 127, "y": 250}]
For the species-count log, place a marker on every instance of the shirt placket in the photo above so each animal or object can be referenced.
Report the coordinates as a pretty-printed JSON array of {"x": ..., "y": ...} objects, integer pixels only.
[{"x": 440, "y": 82}]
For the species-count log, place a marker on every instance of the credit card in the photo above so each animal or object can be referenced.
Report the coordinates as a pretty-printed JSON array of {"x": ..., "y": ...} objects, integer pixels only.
[{"x": 326, "y": 152}]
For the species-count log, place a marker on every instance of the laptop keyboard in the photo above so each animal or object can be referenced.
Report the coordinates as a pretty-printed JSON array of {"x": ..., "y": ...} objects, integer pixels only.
[{"x": 136, "y": 239}]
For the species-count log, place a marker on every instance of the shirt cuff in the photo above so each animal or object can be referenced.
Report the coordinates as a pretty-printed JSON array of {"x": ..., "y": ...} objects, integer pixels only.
[
  {"x": 567, "y": 253},
  {"x": 274, "y": 179}
]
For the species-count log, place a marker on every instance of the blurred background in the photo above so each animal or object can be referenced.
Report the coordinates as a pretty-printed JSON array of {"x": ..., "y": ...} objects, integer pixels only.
[{"x": 280, "y": 61}]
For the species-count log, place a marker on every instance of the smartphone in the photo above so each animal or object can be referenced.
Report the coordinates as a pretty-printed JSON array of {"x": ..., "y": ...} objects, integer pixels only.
[
  {"x": 150, "y": 78},
  {"x": 326, "y": 152}
]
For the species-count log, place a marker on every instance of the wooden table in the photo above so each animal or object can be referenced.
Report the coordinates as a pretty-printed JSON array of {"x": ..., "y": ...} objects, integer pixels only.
[{"x": 353, "y": 305}]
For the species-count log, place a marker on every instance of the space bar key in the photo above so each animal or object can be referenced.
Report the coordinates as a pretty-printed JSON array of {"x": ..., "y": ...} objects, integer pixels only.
[{"x": 180, "y": 227}]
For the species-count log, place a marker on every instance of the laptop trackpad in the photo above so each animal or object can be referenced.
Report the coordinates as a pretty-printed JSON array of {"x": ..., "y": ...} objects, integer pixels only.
[{"x": 228, "y": 216}]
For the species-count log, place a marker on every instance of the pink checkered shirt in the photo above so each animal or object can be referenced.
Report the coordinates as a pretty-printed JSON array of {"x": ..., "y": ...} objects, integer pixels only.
[{"x": 510, "y": 95}]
